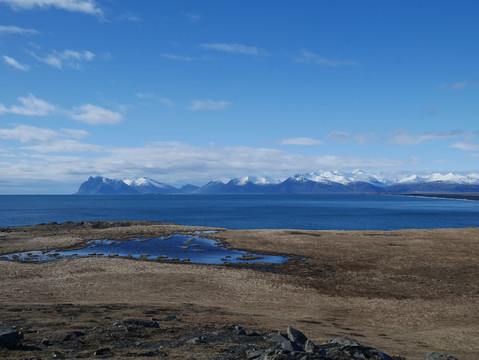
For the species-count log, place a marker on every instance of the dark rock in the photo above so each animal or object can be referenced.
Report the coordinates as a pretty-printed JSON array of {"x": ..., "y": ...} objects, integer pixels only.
[
  {"x": 251, "y": 333},
  {"x": 439, "y": 356},
  {"x": 291, "y": 346},
  {"x": 67, "y": 336},
  {"x": 341, "y": 348},
  {"x": 343, "y": 342},
  {"x": 140, "y": 323},
  {"x": 309, "y": 346},
  {"x": 253, "y": 354},
  {"x": 101, "y": 351},
  {"x": 195, "y": 340},
  {"x": 277, "y": 339},
  {"x": 9, "y": 337},
  {"x": 240, "y": 330},
  {"x": 45, "y": 342},
  {"x": 296, "y": 336}
]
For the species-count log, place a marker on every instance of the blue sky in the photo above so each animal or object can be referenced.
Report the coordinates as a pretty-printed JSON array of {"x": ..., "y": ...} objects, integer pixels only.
[{"x": 190, "y": 91}]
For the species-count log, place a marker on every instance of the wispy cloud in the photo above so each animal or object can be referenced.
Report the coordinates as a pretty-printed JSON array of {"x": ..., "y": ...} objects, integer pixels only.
[
  {"x": 96, "y": 115},
  {"x": 193, "y": 17},
  {"x": 17, "y": 30},
  {"x": 170, "y": 162},
  {"x": 299, "y": 141},
  {"x": 30, "y": 106},
  {"x": 163, "y": 100},
  {"x": 466, "y": 146},
  {"x": 459, "y": 85},
  {"x": 32, "y": 134},
  {"x": 403, "y": 137},
  {"x": 308, "y": 57},
  {"x": 186, "y": 58},
  {"x": 90, "y": 114},
  {"x": 209, "y": 105},
  {"x": 83, "y": 6},
  {"x": 66, "y": 58},
  {"x": 360, "y": 137},
  {"x": 12, "y": 62},
  {"x": 235, "y": 48},
  {"x": 398, "y": 136}
]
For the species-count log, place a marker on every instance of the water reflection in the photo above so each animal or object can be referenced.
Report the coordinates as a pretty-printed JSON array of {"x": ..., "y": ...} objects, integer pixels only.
[{"x": 177, "y": 247}]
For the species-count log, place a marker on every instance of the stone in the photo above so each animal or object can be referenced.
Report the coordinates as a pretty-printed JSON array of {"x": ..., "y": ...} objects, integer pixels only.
[
  {"x": 309, "y": 346},
  {"x": 439, "y": 356},
  {"x": 296, "y": 336},
  {"x": 101, "y": 351},
  {"x": 240, "y": 330},
  {"x": 291, "y": 346},
  {"x": 253, "y": 354},
  {"x": 9, "y": 337},
  {"x": 140, "y": 323},
  {"x": 343, "y": 342},
  {"x": 277, "y": 339}
]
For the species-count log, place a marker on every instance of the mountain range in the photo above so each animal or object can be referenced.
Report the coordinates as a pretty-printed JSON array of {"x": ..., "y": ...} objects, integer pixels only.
[{"x": 321, "y": 182}]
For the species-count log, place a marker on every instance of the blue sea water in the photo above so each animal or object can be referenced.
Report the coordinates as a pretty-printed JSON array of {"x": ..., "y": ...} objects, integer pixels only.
[{"x": 312, "y": 212}]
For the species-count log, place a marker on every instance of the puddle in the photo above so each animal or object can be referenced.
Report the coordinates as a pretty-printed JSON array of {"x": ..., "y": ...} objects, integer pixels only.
[{"x": 179, "y": 247}]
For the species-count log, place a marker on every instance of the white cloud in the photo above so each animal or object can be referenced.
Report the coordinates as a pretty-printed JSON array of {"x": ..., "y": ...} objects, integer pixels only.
[
  {"x": 83, "y": 6},
  {"x": 193, "y": 17},
  {"x": 459, "y": 85},
  {"x": 170, "y": 161},
  {"x": 187, "y": 58},
  {"x": 403, "y": 137},
  {"x": 299, "y": 141},
  {"x": 96, "y": 115},
  {"x": 466, "y": 146},
  {"x": 66, "y": 58},
  {"x": 63, "y": 147},
  {"x": 209, "y": 105},
  {"x": 398, "y": 136},
  {"x": 30, "y": 106},
  {"x": 235, "y": 48},
  {"x": 309, "y": 57},
  {"x": 17, "y": 30},
  {"x": 163, "y": 100},
  {"x": 32, "y": 134},
  {"x": 12, "y": 62}
]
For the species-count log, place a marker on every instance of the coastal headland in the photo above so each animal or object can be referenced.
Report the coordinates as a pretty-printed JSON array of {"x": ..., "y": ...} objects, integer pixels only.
[{"x": 405, "y": 292}]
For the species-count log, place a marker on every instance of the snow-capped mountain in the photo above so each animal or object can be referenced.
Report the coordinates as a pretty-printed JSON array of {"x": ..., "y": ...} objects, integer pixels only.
[
  {"x": 149, "y": 186},
  {"x": 319, "y": 182}
]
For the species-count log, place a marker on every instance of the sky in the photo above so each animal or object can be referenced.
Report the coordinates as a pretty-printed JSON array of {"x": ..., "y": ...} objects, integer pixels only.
[{"x": 192, "y": 91}]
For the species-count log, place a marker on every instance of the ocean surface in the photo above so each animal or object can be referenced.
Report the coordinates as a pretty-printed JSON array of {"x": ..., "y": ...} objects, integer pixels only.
[{"x": 312, "y": 212}]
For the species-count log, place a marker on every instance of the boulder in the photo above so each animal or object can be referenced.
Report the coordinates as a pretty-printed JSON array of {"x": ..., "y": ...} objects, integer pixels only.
[
  {"x": 296, "y": 336},
  {"x": 9, "y": 337},
  {"x": 439, "y": 356}
]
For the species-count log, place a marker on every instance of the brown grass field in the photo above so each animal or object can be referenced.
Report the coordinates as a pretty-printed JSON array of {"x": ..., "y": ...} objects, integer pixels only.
[{"x": 405, "y": 292}]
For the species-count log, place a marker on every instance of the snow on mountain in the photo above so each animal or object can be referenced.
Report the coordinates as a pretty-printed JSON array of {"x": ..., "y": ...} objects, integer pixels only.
[
  {"x": 256, "y": 180},
  {"x": 321, "y": 181},
  {"x": 136, "y": 182},
  {"x": 149, "y": 186}
]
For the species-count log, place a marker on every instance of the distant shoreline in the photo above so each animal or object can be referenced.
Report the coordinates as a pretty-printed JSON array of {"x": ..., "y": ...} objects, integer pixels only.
[{"x": 446, "y": 196}]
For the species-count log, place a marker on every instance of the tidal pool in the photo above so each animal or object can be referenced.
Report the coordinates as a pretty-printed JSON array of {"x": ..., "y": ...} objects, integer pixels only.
[{"x": 179, "y": 247}]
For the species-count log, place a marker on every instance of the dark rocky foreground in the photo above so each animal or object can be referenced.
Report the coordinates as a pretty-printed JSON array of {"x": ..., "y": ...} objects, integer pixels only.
[{"x": 80, "y": 332}]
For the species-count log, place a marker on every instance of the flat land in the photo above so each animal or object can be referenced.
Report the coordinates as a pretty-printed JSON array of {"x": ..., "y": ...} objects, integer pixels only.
[{"x": 405, "y": 292}]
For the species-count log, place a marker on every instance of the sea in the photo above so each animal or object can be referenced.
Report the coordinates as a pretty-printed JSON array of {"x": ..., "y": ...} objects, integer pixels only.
[{"x": 273, "y": 211}]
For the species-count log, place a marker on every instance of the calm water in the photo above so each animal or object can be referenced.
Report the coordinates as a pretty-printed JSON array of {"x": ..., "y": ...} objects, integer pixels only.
[
  {"x": 321, "y": 212},
  {"x": 191, "y": 248}
]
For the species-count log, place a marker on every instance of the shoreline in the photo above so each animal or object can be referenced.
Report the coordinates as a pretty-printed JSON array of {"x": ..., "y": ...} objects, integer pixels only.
[
  {"x": 474, "y": 197},
  {"x": 406, "y": 292}
]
